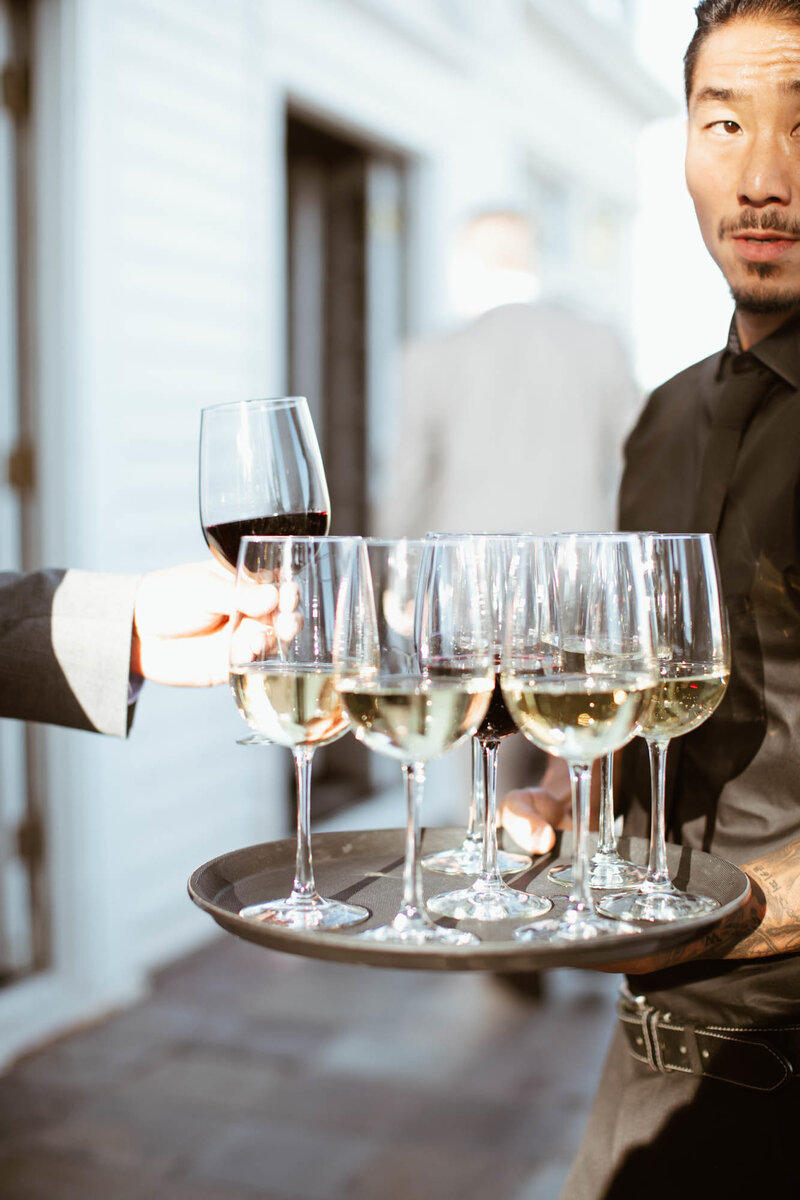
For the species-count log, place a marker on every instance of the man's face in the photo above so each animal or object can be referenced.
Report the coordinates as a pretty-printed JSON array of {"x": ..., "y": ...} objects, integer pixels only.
[{"x": 743, "y": 159}]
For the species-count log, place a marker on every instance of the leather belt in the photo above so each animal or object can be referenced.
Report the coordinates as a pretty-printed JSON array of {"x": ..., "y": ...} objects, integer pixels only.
[{"x": 755, "y": 1058}]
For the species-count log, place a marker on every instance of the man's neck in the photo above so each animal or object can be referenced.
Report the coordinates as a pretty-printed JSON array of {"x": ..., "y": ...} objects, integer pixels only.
[{"x": 754, "y": 327}]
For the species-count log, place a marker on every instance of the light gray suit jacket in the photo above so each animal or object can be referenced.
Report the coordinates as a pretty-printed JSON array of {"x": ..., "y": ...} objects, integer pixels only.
[
  {"x": 513, "y": 422},
  {"x": 65, "y": 644}
]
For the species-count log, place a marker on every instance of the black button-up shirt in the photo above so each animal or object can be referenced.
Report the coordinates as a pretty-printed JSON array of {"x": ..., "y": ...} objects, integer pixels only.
[{"x": 734, "y": 786}]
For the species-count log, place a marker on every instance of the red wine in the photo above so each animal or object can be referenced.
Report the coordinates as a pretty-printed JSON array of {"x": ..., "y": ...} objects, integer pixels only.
[
  {"x": 498, "y": 722},
  {"x": 223, "y": 539}
]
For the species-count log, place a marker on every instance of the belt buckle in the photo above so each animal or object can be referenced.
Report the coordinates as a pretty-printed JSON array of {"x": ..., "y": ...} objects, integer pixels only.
[
  {"x": 648, "y": 1017},
  {"x": 646, "y": 1022}
]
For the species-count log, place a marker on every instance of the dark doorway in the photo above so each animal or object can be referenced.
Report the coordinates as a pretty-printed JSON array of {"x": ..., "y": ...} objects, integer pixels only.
[{"x": 346, "y": 305}]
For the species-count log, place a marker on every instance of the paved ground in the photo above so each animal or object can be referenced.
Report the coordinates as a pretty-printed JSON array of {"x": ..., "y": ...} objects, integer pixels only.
[{"x": 250, "y": 1075}]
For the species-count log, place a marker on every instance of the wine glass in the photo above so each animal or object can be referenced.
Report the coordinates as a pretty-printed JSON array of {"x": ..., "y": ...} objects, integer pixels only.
[
  {"x": 282, "y": 676},
  {"x": 576, "y": 675},
  {"x": 488, "y": 898},
  {"x": 468, "y": 858},
  {"x": 260, "y": 473},
  {"x": 416, "y": 675},
  {"x": 694, "y": 668},
  {"x": 608, "y": 870}
]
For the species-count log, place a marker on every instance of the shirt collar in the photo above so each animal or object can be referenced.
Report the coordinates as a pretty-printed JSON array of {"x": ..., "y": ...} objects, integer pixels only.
[{"x": 780, "y": 352}]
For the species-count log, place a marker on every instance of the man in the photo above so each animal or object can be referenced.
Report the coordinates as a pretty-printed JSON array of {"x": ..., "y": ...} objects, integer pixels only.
[
  {"x": 483, "y": 406},
  {"x": 74, "y": 645},
  {"x": 701, "y": 1089}
]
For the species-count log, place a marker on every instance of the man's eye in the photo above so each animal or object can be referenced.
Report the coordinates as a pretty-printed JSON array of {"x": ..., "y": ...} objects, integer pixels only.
[{"x": 725, "y": 127}]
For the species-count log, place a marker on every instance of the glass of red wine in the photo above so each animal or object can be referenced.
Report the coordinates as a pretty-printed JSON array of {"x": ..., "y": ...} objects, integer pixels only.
[
  {"x": 261, "y": 474},
  {"x": 489, "y": 898}
]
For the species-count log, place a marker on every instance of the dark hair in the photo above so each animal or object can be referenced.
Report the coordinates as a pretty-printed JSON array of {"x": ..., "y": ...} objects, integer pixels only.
[{"x": 711, "y": 14}]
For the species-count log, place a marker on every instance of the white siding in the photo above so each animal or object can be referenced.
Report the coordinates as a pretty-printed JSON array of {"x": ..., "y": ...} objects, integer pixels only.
[{"x": 180, "y": 289}]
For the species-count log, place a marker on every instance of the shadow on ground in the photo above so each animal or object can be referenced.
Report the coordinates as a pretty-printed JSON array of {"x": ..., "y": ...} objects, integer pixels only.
[{"x": 251, "y": 1075}]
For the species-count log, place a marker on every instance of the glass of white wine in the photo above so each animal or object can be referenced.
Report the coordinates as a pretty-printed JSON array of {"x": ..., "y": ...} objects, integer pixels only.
[
  {"x": 282, "y": 676},
  {"x": 577, "y": 672},
  {"x": 694, "y": 668},
  {"x": 489, "y": 898},
  {"x": 415, "y": 671},
  {"x": 608, "y": 870}
]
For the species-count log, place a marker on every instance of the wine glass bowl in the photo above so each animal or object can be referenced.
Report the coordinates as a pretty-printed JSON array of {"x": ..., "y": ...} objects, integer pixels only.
[{"x": 261, "y": 473}]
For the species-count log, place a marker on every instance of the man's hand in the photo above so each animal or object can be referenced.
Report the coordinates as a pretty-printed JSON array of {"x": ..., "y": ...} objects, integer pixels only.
[
  {"x": 777, "y": 877},
  {"x": 180, "y": 625},
  {"x": 532, "y": 815}
]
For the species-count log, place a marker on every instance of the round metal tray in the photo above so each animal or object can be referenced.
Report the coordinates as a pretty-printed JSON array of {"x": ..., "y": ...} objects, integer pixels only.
[{"x": 366, "y": 867}]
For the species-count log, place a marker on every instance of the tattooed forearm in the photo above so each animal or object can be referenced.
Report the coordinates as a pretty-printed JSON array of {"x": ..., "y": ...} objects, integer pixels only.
[
  {"x": 768, "y": 924},
  {"x": 777, "y": 875},
  {"x": 722, "y": 941}
]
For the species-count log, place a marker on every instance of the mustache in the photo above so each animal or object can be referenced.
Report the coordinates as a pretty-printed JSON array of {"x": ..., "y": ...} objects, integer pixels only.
[{"x": 763, "y": 222}]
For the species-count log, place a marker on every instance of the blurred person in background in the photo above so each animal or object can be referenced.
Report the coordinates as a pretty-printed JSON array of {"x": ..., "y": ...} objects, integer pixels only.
[
  {"x": 512, "y": 421},
  {"x": 515, "y": 419},
  {"x": 76, "y": 645},
  {"x": 709, "y": 1039}
]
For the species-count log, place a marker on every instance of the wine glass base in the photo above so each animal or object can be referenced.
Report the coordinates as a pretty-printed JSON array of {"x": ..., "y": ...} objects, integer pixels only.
[
  {"x": 254, "y": 739},
  {"x": 467, "y": 859},
  {"x": 656, "y": 906},
  {"x": 497, "y": 903},
  {"x": 303, "y": 915},
  {"x": 413, "y": 927},
  {"x": 564, "y": 931},
  {"x": 612, "y": 875},
  {"x": 511, "y": 864}
]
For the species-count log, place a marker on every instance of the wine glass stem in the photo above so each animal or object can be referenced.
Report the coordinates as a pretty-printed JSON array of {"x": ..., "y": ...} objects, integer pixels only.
[
  {"x": 413, "y": 904},
  {"x": 607, "y": 841},
  {"x": 490, "y": 874},
  {"x": 580, "y": 779},
  {"x": 304, "y": 887},
  {"x": 657, "y": 872},
  {"x": 474, "y": 822}
]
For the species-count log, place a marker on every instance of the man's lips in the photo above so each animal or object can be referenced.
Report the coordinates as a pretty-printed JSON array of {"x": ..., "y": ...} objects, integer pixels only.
[{"x": 756, "y": 246}]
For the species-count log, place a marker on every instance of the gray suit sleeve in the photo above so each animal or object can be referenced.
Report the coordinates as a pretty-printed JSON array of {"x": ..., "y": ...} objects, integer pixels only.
[{"x": 65, "y": 643}]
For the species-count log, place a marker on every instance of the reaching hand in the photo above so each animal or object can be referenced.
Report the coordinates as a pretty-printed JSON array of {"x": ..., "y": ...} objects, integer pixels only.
[
  {"x": 533, "y": 814},
  {"x": 180, "y": 625}
]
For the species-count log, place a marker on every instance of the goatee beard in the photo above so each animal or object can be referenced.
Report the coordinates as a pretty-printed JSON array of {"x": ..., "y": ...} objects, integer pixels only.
[{"x": 761, "y": 303}]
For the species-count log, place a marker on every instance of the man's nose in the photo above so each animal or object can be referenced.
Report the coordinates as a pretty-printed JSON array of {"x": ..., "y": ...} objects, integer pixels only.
[{"x": 766, "y": 176}]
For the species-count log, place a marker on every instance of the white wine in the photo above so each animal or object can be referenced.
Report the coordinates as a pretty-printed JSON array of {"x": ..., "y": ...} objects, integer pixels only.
[
  {"x": 577, "y": 717},
  {"x": 293, "y": 706},
  {"x": 681, "y": 702},
  {"x": 414, "y": 719}
]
